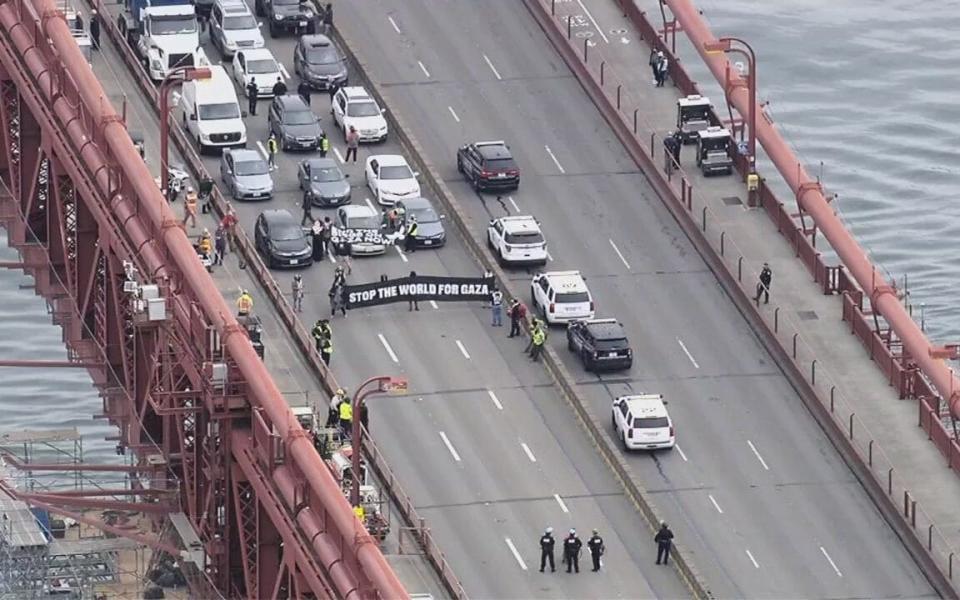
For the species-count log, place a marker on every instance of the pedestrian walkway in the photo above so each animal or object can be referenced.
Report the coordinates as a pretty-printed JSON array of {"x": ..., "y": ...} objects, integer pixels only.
[{"x": 884, "y": 427}]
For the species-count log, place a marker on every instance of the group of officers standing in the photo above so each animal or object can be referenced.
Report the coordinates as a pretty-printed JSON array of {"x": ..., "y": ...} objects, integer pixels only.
[{"x": 573, "y": 546}]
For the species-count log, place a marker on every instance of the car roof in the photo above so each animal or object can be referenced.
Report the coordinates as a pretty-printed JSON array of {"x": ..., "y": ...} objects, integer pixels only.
[
  {"x": 358, "y": 210},
  {"x": 646, "y": 405},
  {"x": 606, "y": 329},
  {"x": 390, "y": 160},
  {"x": 234, "y": 7},
  {"x": 519, "y": 223},
  {"x": 245, "y": 155},
  {"x": 715, "y": 132},
  {"x": 493, "y": 150},
  {"x": 355, "y": 92},
  {"x": 416, "y": 203},
  {"x": 320, "y": 163},
  {"x": 316, "y": 39},
  {"x": 278, "y": 215},
  {"x": 256, "y": 53},
  {"x": 694, "y": 100},
  {"x": 567, "y": 281},
  {"x": 293, "y": 102}
]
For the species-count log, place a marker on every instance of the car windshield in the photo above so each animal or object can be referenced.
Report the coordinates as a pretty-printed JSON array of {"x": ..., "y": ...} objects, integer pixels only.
[
  {"x": 173, "y": 24},
  {"x": 251, "y": 167},
  {"x": 573, "y": 297},
  {"x": 612, "y": 344},
  {"x": 396, "y": 172},
  {"x": 501, "y": 164},
  {"x": 365, "y": 222},
  {"x": 696, "y": 113},
  {"x": 424, "y": 215},
  {"x": 525, "y": 237},
  {"x": 263, "y": 65},
  {"x": 326, "y": 174},
  {"x": 240, "y": 22},
  {"x": 286, "y": 233},
  {"x": 322, "y": 55},
  {"x": 651, "y": 422},
  {"x": 225, "y": 110},
  {"x": 299, "y": 117},
  {"x": 362, "y": 109}
]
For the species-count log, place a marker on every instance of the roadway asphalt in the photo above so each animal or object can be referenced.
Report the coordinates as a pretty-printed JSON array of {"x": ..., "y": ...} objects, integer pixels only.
[
  {"x": 482, "y": 442},
  {"x": 761, "y": 498}
]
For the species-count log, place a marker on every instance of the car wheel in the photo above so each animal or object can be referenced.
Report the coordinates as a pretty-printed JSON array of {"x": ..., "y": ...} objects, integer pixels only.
[
  {"x": 570, "y": 345},
  {"x": 587, "y": 361},
  {"x": 623, "y": 441},
  {"x": 459, "y": 165}
]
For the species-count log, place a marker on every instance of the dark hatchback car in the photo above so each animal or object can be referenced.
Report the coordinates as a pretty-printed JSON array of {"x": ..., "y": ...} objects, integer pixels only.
[
  {"x": 319, "y": 62},
  {"x": 280, "y": 239},
  {"x": 488, "y": 166},
  {"x": 285, "y": 15},
  {"x": 430, "y": 232},
  {"x": 294, "y": 124},
  {"x": 601, "y": 344},
  {"x": 322, "y": 180}
]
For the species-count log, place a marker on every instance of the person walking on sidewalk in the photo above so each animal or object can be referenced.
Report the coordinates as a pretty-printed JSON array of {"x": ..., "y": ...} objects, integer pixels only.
[
  {"x": 297, "y": 289},
  {"x": 190, "y": 208},
  {"x": 353, "y": 142},
  {"x": 664, "y": 540},
  {"x": 763, "y": 285}
]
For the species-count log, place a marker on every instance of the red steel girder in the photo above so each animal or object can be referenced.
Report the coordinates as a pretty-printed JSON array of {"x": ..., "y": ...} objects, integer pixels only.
[{"x": 811, "y": 199}]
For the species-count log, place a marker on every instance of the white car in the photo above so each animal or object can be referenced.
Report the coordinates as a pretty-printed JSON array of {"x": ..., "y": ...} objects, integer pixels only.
[
  {"x": 233, "y": 27},
  {"x": 353, "y": 107},
  {"x": 257, "y": 64},
  {"x": 561, "y": 297},
  {"x": 517, "y": 241},
  {"x": 641, "y": 422},
  {"x": 390, "y": 178}
]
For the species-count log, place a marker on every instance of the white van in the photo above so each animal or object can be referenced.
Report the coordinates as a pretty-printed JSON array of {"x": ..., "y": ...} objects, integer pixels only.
[{"x": 211, "y": 112}]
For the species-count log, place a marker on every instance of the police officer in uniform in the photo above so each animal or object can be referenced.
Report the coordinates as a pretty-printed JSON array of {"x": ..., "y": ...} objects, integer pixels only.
[
  {"x": 546, "y": 549},
  {"x": 571, "y": 551},
  {"x": 763, "y": 286},
  {"x": 252, "y": 92},
  {"x": 303, "y": 90},
  {"x": 326, "y": 350},
  {"x": 595, "y": 544},
  {"x": 279, "y": 88},
  {"x": 537, "y": 338},
  {"x": 410, "y": 237},
  {"x": 664, "y": 540},
  {"x": 318, "y": 334}
]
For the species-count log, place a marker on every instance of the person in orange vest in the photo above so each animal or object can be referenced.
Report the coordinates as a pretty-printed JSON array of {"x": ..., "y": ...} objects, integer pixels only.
[
  {"x": 190, "y": 208},
  {"x": 206, "y": 243},
  {"x": 244, "y": 304}
]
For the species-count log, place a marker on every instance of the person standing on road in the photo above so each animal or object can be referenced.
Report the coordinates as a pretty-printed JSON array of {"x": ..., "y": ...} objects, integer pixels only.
[
  {"x": 595, "y": 544},
  {"x": 297, "y": 289},
  {"x": 324, "y": 145},
  {"x": 410, "y": 237},
  {"x": 272, "y": 151},
  {"x": 307, "y": 205},
  {"x": 318, "y": 333},
  {"x": 326, "y": 350},
  {"x": 190, "y": 208},
  {"x": 547, "y": 543},
  {"x": 763, "y": 285},
  {"x": 253, "y": 90},
  {"x": 346, "y": 417},
  {"x": 517, "y": 312},
  {"x": 326, "y": 237},
  {"x": 333, "y": 413},
  {"x": 95, "y": 29},
  {"x": 537, "y": 339},
  {"x": 303, "y": 90},
  {"x": 353, "y": 142},
  {"x": 414, "y": 303},
  {"x": 336, "y": 300},
  {"x": 279, "y": 88},
  {"x": 496, "y": 305},
  {"x": 316, "y": 237},
  {"x": 664, "y": 540},
  {"x": 571, "y": 551}
]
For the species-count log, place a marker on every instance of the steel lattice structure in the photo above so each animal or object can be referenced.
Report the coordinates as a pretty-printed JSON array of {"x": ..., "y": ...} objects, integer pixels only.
[{"x": 82, "y": 205}]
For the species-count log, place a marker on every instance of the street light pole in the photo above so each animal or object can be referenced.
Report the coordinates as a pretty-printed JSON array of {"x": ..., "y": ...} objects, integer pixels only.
[
  {"x": 725, "y": 44},
  {"x": 385, "y": 383},
  {"x": 174, "y": 77}
]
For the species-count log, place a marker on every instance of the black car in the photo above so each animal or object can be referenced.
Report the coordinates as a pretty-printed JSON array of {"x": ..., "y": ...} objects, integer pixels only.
[
  {"x": 430, "y": 232},
  {"x": 323, "y": 182},
  {"x": 285, "y": 15},
  {"x": 601, "y": 344},
  {"x": 488, "y": 166},
  {"x": 294, "y": 124},
  {"x": 319, "y": 62},
  {"x": 280, "y": 239}
]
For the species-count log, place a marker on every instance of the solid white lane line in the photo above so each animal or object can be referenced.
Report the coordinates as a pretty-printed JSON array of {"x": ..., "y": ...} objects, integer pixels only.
[
  {"x": 715, "y": 505},
  {"x": 687, "y": 352},
  {"x": 386, "y": 346},
  {"x": 559, "y": 500},
  {"x": 752, "y": 559},
  {"x": 424, "y": 69},
  {"x": 592, "y": 20},
  {"x": 516, "y": 554},
  {"x": 453, "y": 451},
  {"x": 514, "y": 203},
  {"x": 757, "y": 454},
  {"x": 682, "y": 455},
  {"x": 555, "y": 161},
  {"x": 452, "y": 112},
  {"x": 496, "y": 400},
  {"x": 463, "y": 350},
  {"x": 830, "y": 560},
  {"x": 492, "y": 68},
  {"x": 283, "y": 71},
  {"x": 549, "y": 257},
  {"x": 370, "y": 204},
  {"x": 530, "y": 455},
  {"x": 263, "y": 150},
  {"x": 620, "y": 254},
  {"x": 433, "y": 303},
  {"x": 403, "y": 255},
  {"x": 394, "y": 23},
  {"x": 339, "y": 156}
]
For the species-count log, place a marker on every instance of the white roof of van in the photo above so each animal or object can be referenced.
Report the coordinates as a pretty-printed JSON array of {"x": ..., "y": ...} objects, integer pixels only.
[{"x": 219, "y": 86}]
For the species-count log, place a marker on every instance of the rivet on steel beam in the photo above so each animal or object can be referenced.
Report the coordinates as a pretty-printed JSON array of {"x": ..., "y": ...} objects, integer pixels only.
[
  {"x": 723, "y": 234},
  {"x": 813, "y": 372}
]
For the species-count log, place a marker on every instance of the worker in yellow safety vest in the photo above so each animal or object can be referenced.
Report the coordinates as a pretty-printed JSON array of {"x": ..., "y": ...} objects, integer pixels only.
[
  {"x": 346, "y": 416},
  {"x": 539, "y": 337},
  {"x": 244, "y": 304},
  {"x": 360, "y": 513}
]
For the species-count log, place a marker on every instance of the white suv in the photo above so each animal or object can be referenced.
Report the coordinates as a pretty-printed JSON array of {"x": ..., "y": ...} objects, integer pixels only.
[
  {"x": 354, "y": 107},
  {"x": 517, "y": 241},
  {"x": 561, "y": 296},
  {"x": 642, "y": 422},
  {"x": 233, "y": 27}
]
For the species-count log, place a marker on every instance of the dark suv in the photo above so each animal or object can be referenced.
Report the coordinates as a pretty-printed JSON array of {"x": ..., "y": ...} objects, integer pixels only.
[
  {"x": 488, "y": 166},
  {"x": 319, "y": 62},
  {"x": 601, "y": 344},
  {"x": 280, "y": 239},
  {"x": 294, "y": 124},
  {"x": 285, "y": 15}
]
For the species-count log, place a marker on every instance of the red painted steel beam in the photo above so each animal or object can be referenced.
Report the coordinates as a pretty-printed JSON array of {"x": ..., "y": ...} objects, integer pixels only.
[
  {"x": 147, "y": 207},
  {"x": 61, "y": 364},
  {"x": 810, "y": 197}
]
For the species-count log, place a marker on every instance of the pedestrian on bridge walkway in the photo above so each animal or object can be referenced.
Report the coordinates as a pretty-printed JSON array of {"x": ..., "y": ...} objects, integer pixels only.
[
  {"x": 763, "y": 285},
  {"x": 190, "y": 208}
]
